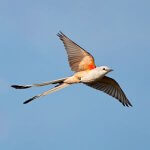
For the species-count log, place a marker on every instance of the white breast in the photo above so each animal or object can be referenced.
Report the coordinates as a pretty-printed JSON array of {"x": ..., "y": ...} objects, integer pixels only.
[{"x": 93, "y": 75}]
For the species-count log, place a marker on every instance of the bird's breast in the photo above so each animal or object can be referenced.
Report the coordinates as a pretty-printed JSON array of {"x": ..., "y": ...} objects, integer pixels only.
[{"x": 91, "y": 76}]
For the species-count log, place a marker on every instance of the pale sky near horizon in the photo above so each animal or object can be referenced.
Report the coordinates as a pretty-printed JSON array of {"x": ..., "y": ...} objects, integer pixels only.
[{"x": 116, "y": 33}]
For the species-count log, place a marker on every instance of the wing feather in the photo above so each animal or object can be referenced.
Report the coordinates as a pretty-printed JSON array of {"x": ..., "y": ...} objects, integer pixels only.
[
  {"x": 79, "y": 59},
  {"x": 111, "y": 87}
]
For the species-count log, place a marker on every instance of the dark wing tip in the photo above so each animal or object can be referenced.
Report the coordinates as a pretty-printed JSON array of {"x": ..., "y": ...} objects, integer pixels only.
[
  {"x": 60, "y": 35},
  {"x": 29, "y": 100},
  {"x": 128, "y": 104},
  {"x": 20, "y": 86}
]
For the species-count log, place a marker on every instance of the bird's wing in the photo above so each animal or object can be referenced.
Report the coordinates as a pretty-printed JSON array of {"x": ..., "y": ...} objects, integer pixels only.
[
  {"x": 111, "y": 87},
  {"x": 79, "y": 59}
]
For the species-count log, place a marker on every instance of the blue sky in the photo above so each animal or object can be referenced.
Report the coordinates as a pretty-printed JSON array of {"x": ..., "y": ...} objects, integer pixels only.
[{"x": 116, "y": 33}]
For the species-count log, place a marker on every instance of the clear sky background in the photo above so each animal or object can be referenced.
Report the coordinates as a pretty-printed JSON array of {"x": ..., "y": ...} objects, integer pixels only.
[{"x": 116, "y": 33}]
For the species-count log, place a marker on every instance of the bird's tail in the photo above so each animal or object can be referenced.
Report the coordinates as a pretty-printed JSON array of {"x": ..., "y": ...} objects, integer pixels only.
[
  {"x": 56, "y": 88},
  {"x": 59, "y": 81}
]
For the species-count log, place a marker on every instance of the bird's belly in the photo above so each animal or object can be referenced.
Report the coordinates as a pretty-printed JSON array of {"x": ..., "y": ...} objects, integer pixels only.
[{"x": 91, "y": 76}]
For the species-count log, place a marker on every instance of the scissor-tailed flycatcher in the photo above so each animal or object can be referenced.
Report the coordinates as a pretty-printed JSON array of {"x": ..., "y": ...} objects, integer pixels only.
[{"x": 86, "y": 72}]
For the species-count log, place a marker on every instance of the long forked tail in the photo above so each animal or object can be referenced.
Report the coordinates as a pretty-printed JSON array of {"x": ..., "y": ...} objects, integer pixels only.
[
  {"x": 56, "y": 88},
  {"x": 39, "y": 84}
]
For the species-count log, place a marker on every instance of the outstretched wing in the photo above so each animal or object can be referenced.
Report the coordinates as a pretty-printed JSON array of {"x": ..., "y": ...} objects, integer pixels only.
[
  {"x": 79, "y": 59},
  {"x": 111, "y": 87}
]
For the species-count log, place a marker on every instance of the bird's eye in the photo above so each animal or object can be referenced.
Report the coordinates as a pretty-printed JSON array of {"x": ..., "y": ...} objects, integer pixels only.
[{"x": 103, "y": 68}]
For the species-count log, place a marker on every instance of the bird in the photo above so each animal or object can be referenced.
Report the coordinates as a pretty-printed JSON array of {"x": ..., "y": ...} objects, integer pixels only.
[{"x": 82, "y": 63}]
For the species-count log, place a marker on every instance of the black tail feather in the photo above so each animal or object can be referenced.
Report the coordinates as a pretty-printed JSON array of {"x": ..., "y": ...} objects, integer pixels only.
[
  {"x": 29, "y": 100},
  {"x": 21, "y": 86}
]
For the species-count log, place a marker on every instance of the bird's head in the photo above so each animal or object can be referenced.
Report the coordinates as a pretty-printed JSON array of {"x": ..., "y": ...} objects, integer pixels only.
[{"x": 104, "y": 69}]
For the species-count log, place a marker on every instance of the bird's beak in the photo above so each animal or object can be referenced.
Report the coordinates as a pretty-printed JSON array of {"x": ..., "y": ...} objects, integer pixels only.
[{"x": 110, "y": 70}]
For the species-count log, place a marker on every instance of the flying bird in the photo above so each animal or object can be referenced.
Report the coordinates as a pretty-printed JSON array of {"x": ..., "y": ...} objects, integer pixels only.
[{"x": 85, "y": 71}]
